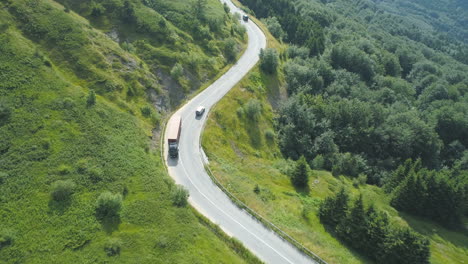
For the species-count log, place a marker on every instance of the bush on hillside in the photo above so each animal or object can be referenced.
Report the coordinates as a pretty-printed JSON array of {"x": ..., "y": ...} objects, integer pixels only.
[
  {"x": 269, "y": 60},
  {"x": 230, "y": 49},
  {"x": 348, "y": 164},
  {"x": 108, "y": 205},
  {"x": 112, "y": 247},
  {"x": 6, "y": 238},
  {"x": 91, "y": 99},
  {"x": 274, "y": 27},
  {"x": 179, "y": 196},
  {"x": 318, "y": 162},
  {"x": 62, "y": 190},
  {"x": 146, "y": 111},
  {"x": 252, "y": 109},
  {"x": 226, "y": 8},
  {"x": 3, "y": 177},
  {"x": 177, "y": 71},
  {"x": 5, "y": 113},
  {"x": 270, "y": 135}
]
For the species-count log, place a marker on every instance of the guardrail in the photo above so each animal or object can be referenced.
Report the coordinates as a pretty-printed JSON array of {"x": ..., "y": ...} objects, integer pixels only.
[{"x": 262, "y": 220}]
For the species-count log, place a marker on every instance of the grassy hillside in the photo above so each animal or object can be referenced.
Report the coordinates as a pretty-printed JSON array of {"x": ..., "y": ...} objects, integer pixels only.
[{"x": 52, "y": 131}]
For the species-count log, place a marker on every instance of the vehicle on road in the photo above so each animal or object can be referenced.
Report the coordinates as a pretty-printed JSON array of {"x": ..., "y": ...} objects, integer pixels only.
[
  {"x": 245, "y": 18},
  {"x": 200, "y": 110},
  {"x": 175, "y": 128}
]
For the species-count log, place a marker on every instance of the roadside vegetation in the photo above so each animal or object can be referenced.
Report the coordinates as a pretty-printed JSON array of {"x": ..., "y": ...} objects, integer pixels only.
[
  {"x": 81, "y": 177},
  {"x": 368, "y": 110}
]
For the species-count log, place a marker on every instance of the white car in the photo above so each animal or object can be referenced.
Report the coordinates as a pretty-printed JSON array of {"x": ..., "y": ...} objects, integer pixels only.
[{"x": 200, "y": 110}]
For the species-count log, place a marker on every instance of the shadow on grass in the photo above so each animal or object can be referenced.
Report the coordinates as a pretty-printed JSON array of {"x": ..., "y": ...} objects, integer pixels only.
[
  {"x": 302, "y": 190},
  {"x": 274, "y": 95},
  {"x": 457, "y": 236},
  {"x": 354, "y": 252},
  {"x": 110, "y": 224},
  {"x": 253, "y": 131},
  {"x": 59, "y": 207}
]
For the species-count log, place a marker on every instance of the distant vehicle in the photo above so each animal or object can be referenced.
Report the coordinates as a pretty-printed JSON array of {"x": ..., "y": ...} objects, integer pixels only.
[
  {"x": 175, "y": 128},
  {"x": 245, "y": 18},
  {"x": 200, "y": 110}
]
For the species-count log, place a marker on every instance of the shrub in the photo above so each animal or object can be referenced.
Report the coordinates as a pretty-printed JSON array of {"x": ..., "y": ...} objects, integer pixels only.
[
  {"x": 64, "y": 169},
  {"x": 177, "y": 71},
  {"x": 226, "y": 8},
  {"x": 239, "y": 29},
  {"x": 269, "y": 60},
  {"x": 146, "y": 111},
  {"x": 240, "y": 112},
  {"x": 97, "y": 9},
  {"x": 91, "y": 99},
  {"x": 230, "y": 49},
  {"x": 6, "y": 238},
  {"x": 355, "y": 183},
  {"x": 47, "y": 63},
  {"x": 112, "y": 246},
  {"x": 109, "y": 205},
  {"x": 82, "y": 166},
  {"x": 318, "y": 162},
  {"x": 362, "y": 179},
  {"x": 128, "y": 47},
  {"x": 3, "y": 177},
  {"x": 297, "y": 51},
  {"x": 5, "y": 113},
  {"x": 62, "y": 190},
  {"x": 179, "y": 196},
  {"x": 95, "y": 174},
  {"x": 252, "y": 109},
  {"x": 274, "y": 27},
  {"x": 348, "y": 164},
  {"x": 270, "y": 135},
  {"x": 256, "y": 189}
]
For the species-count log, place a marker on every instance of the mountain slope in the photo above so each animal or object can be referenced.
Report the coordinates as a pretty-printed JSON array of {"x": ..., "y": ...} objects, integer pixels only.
[{"x": 53, "y": 130}]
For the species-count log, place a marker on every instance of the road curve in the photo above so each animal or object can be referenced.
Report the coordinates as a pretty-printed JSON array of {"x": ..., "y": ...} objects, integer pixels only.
[{"x": 188, "y": 170}]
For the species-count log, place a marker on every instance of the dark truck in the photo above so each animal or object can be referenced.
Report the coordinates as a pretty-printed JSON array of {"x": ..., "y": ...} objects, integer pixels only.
[{"x": 175, "y": 127}]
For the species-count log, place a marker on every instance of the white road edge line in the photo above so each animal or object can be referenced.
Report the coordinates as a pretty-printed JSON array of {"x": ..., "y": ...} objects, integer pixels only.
[{"x": 190, "y": 179}]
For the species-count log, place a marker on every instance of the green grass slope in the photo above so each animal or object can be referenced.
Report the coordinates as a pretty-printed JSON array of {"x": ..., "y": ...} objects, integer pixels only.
[
  {"x": 49, "y": 59},
  {"x": 244, "y": 154}
]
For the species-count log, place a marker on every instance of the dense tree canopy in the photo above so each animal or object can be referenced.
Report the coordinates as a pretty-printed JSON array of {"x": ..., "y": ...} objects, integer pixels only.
[
  {"x": 372, "y": 86},
  {"x": 370, "y": 231},
  {"x": 433, "y": 194},
  {"x": 376, "y": 96}
]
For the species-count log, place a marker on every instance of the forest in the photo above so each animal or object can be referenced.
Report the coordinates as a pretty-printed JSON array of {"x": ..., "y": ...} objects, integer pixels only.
[{"x": 378, "y": 90}]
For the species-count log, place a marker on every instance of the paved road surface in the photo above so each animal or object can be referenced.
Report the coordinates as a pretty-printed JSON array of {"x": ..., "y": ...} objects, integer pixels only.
[{"x": 205, "y": 196}]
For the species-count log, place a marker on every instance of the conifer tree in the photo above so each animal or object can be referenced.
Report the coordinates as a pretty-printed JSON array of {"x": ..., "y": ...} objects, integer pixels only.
[
  {"x": 353, "y": 229},
  {"x": 300, "y": 175}
]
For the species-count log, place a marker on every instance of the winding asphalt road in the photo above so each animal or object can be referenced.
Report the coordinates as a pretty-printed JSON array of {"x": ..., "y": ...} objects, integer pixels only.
[{"x": 188, "y": 170}]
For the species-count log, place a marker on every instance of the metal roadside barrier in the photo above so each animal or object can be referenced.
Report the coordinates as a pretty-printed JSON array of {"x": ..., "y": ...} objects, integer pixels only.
[{"x": 264, "y": 221}]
